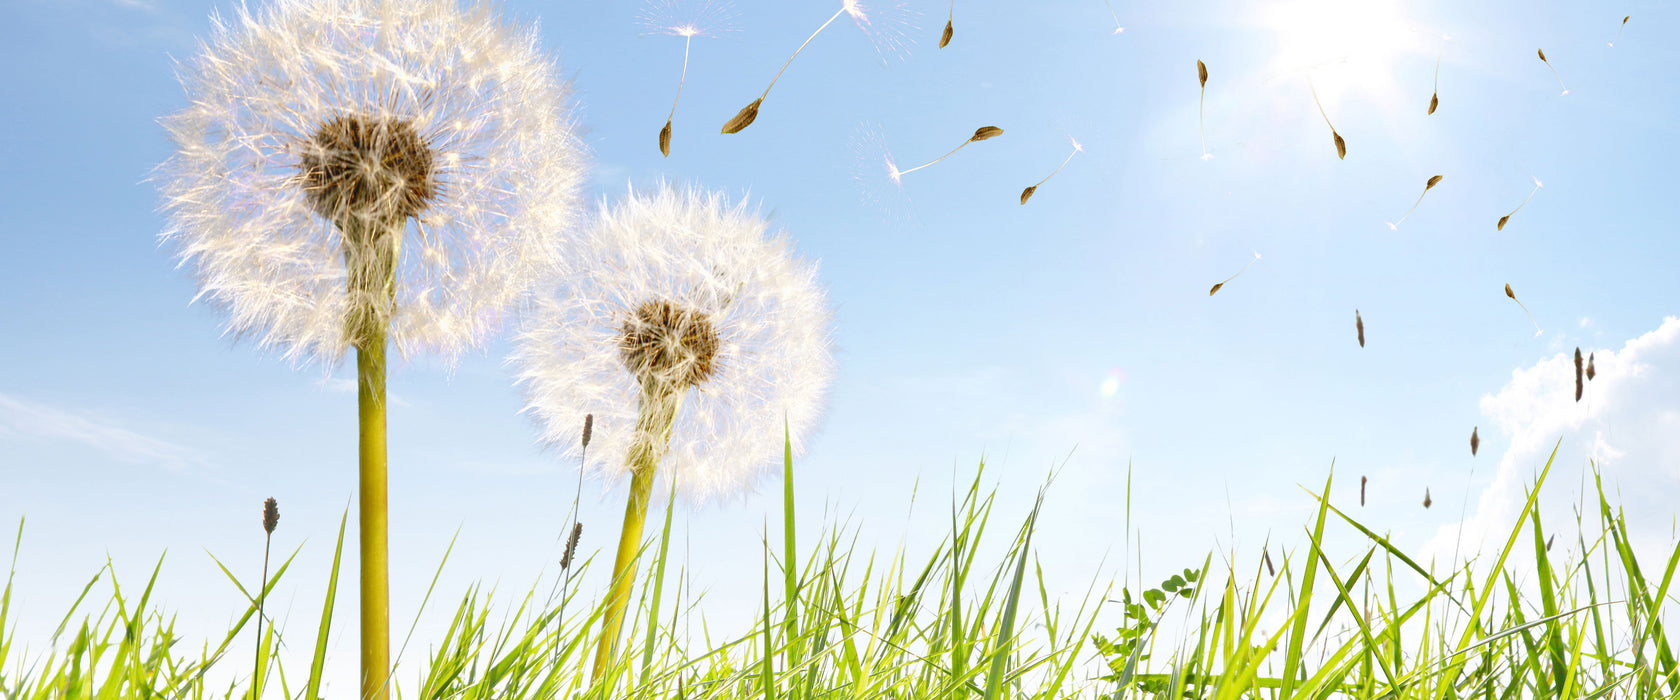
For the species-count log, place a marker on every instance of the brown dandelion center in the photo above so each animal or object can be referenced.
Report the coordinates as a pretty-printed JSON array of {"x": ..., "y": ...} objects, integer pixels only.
[
  {"x": 664, "y": 343},
  {"x": 362, "y": 166}
]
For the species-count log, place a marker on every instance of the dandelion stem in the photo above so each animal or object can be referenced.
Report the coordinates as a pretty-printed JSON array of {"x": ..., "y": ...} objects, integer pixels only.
[
  {"x": 1409, "y": 211},
  {"x": 801, "y": 48},
  {"x": 1319, "y": 104},
  {"x": 373, "y": 515},
  {"x": 1525, "y": 201},
  {"x": 658, "y": 410},
  {"x": 1117, "y": 27},
  {"x": 1201, "y": 125}
]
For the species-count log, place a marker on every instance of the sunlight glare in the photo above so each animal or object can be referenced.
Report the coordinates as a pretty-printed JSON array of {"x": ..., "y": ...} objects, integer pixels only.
[{"x": 1345, "y": 45}]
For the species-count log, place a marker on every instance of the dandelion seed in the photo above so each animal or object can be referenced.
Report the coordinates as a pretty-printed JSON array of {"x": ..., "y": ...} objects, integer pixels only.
[
  {"x": 369, "y": 174},
  {"x": 1579, "y": 370},
  {"x": 1078, "y": 148},
  {"x": 1619, "y": 31},
  {"x": 694, "y": 338},
  {"x": 980, "y": 134},
  {"x": 1201, "y": 75},
  {"x": 1435, "y": 96},
  {"x": 1542, "y": 53},
  {"x": 1427, "y": 501},
  {"x": 1475, "y": 441},
  {"x": 1426, "y": 188},
  {"x": 1513, "y": 296},
  {"x": 860, "y": 16},
  {"x": 687, "y": 20},
  {"x": 1216, "y": 287},
  {"x": 1362, "y": 492},
  {"x": 1341, "y": 146},
  {"x": 1591, "y": 372},
  {"x": 1359, "y": 325},
  {"x": 1507, "y": 217},
  {"x": 945, "y": 36},
  {"x": 1117, "y": 28}
]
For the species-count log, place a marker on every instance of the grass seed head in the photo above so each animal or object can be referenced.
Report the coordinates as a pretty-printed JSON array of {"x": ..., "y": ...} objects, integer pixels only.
[
  {"x": 1362, "y": 491},
  {"x": 1579, "y": 370},
  {"x": 571, "y": 546},
  {"x": 588, "y": 429},
  {"x": 271, "y": 515}
]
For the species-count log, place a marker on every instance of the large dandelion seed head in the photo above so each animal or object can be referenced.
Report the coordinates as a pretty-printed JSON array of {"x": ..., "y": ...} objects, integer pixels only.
[
  {"x": 688, "y": 18},
  {"x": 346, "y": 165},
  {"x": 679, "y": 291}
]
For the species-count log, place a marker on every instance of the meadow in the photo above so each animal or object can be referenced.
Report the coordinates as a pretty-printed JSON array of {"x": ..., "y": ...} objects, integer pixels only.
[{"x": 844, "y": 623}]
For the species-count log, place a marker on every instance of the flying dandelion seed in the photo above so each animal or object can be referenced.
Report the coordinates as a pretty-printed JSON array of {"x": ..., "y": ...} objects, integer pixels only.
[
  {"x": 1513, "y": 296},
  {"x": 1426, "y": 188},
  {"x": 882, "y": 31},
  {"x": 1427, "y": 501},
  {"x": 1435, "y": 96},
  {"x": 371, "y": 175},
  {"x": 1507, "y": 217},
  {"x": 1216, "y": 287},
  {"x": 1619, "y": 31},
  {"x": 1341, "y": 146},
  {"x": 1359, "y": 326},
  {"x": 695, "y": 339},
  {"x": 1542, "y": 53},
  {"x": 876, "y": 175},
  {"x": 1362, "y": 492},
  {"x": 686, "y": 20},
  {"x": 980, "y": 134},
  {"x": 1475, "y": 441},
  {"x": 1117, "y": 28},
  {"x": 1078, "y": 148},
  {"x": 1591, "y": 372},
  {"x": 945, "y": 36},
  {"x": 1201, "y": 125}
]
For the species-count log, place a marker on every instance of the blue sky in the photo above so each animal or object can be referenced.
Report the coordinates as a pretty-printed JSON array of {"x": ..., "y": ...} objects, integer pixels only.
[{"x": 968, "y": 325}]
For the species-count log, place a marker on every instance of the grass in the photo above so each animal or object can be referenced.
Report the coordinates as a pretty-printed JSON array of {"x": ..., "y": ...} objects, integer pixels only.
[{"x": 837, "y": 622}]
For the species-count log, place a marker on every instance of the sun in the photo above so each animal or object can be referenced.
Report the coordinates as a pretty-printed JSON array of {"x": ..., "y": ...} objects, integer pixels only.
[{"x": 1346, "y": 46}]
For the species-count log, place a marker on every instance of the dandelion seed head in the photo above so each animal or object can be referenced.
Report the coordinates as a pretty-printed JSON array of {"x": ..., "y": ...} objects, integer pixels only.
[
  {"x": 892, "y": 171},
  {"x": 684, "y": 287},
  {"x": 349, "y": 162},
  {"x": 687, "y": 18}
]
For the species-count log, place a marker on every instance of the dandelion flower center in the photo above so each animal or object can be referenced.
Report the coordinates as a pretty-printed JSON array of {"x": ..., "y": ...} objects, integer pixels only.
[
  {"x": 367, "y": 167},
  {"x": 664, "y": 343}
]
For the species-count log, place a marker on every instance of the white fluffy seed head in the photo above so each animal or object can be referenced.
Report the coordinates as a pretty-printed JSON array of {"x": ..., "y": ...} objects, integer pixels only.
[
  {"x": 719, "y": 293},
  {"x": 437, "y": 118}
]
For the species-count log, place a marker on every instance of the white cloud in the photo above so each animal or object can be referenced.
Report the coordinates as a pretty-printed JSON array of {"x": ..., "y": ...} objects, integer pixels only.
[
  {"x": 1627, "y": 422},
  {"x": 23, "y": 419}
]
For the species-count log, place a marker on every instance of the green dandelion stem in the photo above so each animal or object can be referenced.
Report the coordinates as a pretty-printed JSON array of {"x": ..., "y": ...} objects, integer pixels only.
[
  {"x": 370, "y": 253},
  {"x": 657, "y": 412}
]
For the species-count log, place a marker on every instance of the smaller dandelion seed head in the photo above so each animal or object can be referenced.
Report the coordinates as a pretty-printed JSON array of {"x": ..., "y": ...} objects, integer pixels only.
[
  {"x": 1537, "y": 182},
  {"x": 271, "y": 515},
  {"x": 1077, "y": 146},
  {"x": 892, "y": 171},
  {"x": 665, "y": 344}
]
